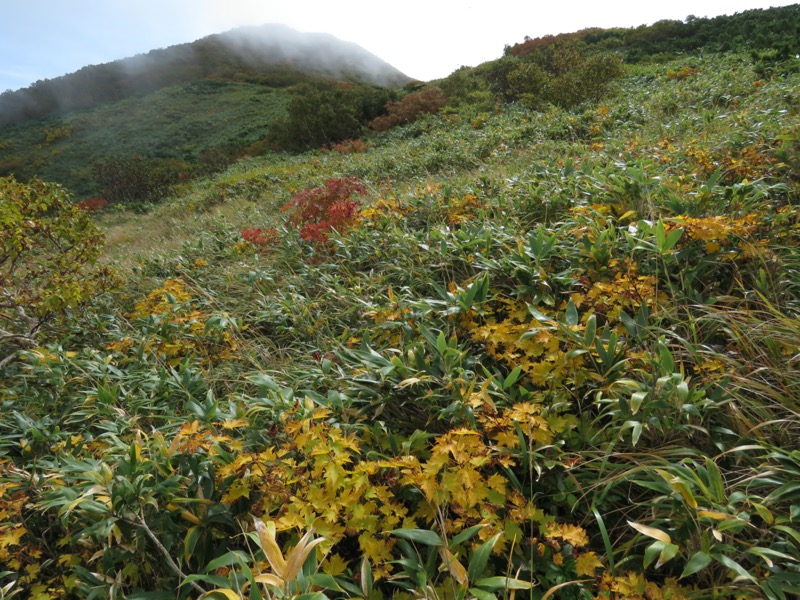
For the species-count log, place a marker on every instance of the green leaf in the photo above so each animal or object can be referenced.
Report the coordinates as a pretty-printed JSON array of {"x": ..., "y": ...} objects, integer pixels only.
[
  {"x": 477, "y": 563},
  {"x": 311, "y": 596},
  {"x": 420, "y": 536},
  {"x": 697, "y": 563},
  {"x": 734, "y": 566},
  {"x": 663, "y": 551},
  {"x": 190, "y": 541},
  {"x": 768, "y": 555},
  {"x": 606, "y": 540},
  {"x": 734, "y": 524},
  {"x": 466, "y": 534},
  {"x": 234, "y": 557},
  {"x": 630, "y": 325},
  {"x": 264, "y": 381},
  {"x": 787, "y": 489},
  {"x": 667, "y": 362},
  {"x": 212, "y": 579},
  {"x": 652, "y": 552},
  {"x": 441, "y": 344},
  {"x": 571, "y": 315},
  {"x": 591, "y": 331},
  {"x": 660, "y": 235},
  {"x": 326, "y": 581},
  {"x": 672, "y": 239},
  {"x": 541, "y": 317},
  {"x": 636, "y": 430},
  {"x": 512, "y": 378},
  {"x": 637, "y": 398},
  {"x": 793, "y": 533},
  {"x": 667, "y": 554},
  {"x": 482, "y": 594},
  {"x": 764, "y": 513}
]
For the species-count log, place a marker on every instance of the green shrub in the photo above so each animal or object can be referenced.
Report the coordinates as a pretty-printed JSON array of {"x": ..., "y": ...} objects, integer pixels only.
[
  {"x": 48, "y": 253},
  {"x": 324, "y": 114},
  {"x": 562, "y": 75},
  {"x": 128, "y": 180}
]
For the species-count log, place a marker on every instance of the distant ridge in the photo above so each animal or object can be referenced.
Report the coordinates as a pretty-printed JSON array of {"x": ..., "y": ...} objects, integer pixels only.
[{"x": 273, "y": 55}]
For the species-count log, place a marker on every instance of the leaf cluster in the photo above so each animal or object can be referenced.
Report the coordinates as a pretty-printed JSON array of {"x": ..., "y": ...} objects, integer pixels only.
[{"x": 48, "y": 254}]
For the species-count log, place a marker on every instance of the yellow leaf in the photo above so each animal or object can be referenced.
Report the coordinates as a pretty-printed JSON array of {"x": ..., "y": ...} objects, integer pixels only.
[
  {"x": 187, "y": 516},
  {"x": 239, "y": 489},
  {"x": 269, "y": 579},
  {"x": 67, "y": 559},
  {"x": 222, "y": 592},
  {"x": 11, "y": 536},
  {"x": 266, "y": 535},
  {"x": 407, "y": 382},
  {"x": 571, "y": 534},
  {"x": 297, "y": 556},
  {"x": 457, "y": 570},
  {"x": 652, "y": 532},
  {"x": 376, "y": 549},
  {"x": 586, "y": 564},
  {"x": 713, "y": 514},
  {"x": 334, "y": 565}
]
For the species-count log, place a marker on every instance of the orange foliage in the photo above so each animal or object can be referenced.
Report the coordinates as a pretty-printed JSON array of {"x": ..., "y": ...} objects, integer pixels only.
[
  {"x": 92, "y": 204},
  {"x": 408, "y": 109}
]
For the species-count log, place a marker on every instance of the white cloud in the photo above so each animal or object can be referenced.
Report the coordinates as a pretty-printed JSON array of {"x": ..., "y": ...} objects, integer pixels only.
[{"x": 424, "y": 38}]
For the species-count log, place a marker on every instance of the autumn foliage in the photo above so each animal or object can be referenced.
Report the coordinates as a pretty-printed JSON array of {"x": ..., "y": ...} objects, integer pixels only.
[
  {"x": 92, "y": 204},
  {"x": 48, "y": 253},
  {"x": 318, "y": 211},
  {"x": 430, "y": 99},
  {"x": 260, "y": 237},
  {"x": 533, "y": 348}
]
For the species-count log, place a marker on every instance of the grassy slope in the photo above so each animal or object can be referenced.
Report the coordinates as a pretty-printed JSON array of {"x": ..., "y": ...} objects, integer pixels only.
[
  {"x": 176, "y": 122},
  {"x": 672, "y": 430}
]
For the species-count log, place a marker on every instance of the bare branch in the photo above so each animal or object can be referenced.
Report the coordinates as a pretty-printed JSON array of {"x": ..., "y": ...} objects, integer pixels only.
[{"x": 164, "y": 552}]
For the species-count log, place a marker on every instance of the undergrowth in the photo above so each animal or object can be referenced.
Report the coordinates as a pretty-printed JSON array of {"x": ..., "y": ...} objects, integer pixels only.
[{"x": 538, "y": 354}]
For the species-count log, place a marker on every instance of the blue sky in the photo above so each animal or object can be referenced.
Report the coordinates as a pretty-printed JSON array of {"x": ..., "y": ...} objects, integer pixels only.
[{"x": 426, "y": 39}]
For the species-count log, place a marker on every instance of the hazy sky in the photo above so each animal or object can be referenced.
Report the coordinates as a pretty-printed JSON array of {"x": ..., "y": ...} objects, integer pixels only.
[{"x": 426, "y": 39}]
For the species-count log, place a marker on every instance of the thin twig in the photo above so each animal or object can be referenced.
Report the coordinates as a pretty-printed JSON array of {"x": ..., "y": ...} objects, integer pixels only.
[{"x": 173, "y": 565}]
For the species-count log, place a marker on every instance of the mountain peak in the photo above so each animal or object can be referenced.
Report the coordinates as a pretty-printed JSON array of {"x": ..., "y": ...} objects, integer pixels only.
[
  {"x": 317, "y": 53},
  {"x": 276, "y": 54}
]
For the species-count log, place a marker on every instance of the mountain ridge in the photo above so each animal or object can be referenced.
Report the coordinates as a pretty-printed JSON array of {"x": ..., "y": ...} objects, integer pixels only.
[{"x": 276, "y": 55}]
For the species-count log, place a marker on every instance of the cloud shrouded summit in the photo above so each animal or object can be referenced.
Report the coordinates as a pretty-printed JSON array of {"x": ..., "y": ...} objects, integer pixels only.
[
  {"x": 317, "y": 53},
  {"x": 275, "y": 53}
]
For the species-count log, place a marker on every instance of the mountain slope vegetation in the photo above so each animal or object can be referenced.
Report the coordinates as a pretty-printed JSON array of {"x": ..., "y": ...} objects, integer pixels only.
[
  {"x": 274, "y": 55},
  {"x": 184, "y": 111},
  {"x": 542, "y": 343}
]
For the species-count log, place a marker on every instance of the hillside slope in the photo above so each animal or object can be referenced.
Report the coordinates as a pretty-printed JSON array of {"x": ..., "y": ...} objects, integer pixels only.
[
  {"x": 509, "y": 349},
  {"x": 182, "y": 111}
]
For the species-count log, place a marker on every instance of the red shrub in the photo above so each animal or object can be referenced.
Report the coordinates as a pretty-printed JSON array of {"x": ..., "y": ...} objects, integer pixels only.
[
  {"x": 92, "y": 204},
  {"x": 408, "y": 109},
  {"x": 262, "y": 238},
  {"x": 350, "y": 147},
  {"x": 317, "y": 211}
]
